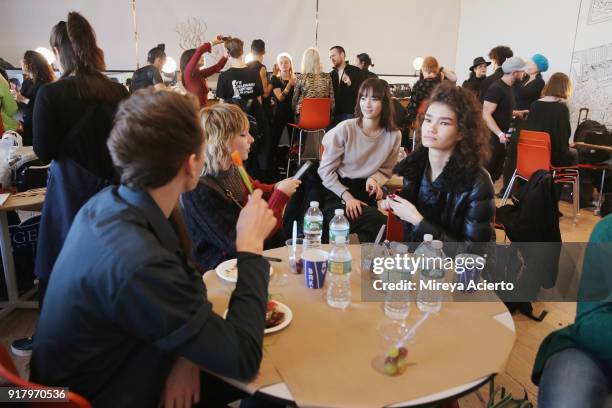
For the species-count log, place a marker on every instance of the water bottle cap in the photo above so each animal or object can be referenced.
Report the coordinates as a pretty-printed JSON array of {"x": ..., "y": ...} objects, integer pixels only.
[
  {"x": 314, "y": 203},
  {"x": 437, "y": 244},
  {"x": 339, "y": 211},
  {"x": 428, "y": 237},
  {"x": 340, "y": 240}
]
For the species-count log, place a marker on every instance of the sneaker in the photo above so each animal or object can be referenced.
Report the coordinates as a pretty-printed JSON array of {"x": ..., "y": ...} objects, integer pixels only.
[{"x": 22, "y": 347}]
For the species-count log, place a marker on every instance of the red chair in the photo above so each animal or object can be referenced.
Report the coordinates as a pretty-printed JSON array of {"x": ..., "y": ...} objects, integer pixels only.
[
  {"x": 533, "y": 154},
  {"x": 315, "y": 116},
  {"x": 8, "y": 372}
]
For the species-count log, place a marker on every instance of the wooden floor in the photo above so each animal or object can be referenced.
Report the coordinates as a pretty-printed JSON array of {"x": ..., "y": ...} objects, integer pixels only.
[{"x": 529, "y": 334}]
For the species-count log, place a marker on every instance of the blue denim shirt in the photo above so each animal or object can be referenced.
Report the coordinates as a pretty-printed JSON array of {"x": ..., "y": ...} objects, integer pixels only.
[{"x": 123, "y": 303}]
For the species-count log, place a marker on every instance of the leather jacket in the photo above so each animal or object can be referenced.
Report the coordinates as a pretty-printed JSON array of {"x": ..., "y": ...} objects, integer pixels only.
[{"x": 459, "y": 206}]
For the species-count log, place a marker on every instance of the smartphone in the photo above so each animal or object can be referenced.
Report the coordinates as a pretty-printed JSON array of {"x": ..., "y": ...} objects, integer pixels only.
[{"x": 298, "y": 175}]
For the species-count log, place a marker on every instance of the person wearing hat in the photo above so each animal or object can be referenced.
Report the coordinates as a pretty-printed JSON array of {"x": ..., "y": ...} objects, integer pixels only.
[
  {"x": 497, "y": 113},
  {"x": 526, "y": 92},
  {"x": 530, "y": 88},
  {"x": 478, "y": 73}
]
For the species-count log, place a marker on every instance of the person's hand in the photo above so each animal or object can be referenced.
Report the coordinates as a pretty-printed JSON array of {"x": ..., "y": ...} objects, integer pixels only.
[
  {"x": 521, "y": 114},
  {"x": 346, "y": 79},
  {"x": 255, "y": 223},
  {"x": 404, "y": 209},
  {"x": 182, "y": 388},
  {"x": 353, "y": 206},
  {"x": 373, "y": 189},
  {"x": 288, "y": 186},
  {"x": 504, "y": 138},
  {"x": 275, "y": 70},
  {"x": 217, "y": 40},
  {"x": 292, "y": 82}
]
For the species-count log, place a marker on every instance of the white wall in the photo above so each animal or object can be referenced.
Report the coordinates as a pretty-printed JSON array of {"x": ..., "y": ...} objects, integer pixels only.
[
  {"x": 393, "y": 32},
  {"x": 527, "y": 26}
]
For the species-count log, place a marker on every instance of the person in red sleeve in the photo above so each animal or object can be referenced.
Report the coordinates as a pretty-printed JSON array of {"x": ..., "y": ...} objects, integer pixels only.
[
  {"x": 193, "y": 76},
  {"x": 212, "y": 209}
]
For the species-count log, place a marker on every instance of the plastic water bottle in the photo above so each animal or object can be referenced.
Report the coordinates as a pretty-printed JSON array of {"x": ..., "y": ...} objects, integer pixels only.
[
  {"x": 429, "y": 299},
  {"x": 425, "y": 245},
  {"x": 339, "y": 275},
  {"x": 338, "y": 227},
  {"x": 313, "y": 225},
  {"x": 397, "y": 304}
]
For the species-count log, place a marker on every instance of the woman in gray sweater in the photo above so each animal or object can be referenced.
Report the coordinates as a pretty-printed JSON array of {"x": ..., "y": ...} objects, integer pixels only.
[{"x": 358, "y": 159}]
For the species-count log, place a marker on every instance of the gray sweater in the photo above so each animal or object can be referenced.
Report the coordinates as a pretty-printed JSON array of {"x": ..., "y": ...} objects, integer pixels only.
[{"x": 349, "y": 153}]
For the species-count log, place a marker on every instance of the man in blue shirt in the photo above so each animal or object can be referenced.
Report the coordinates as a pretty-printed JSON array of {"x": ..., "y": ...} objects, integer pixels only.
[{"x": 125, "y": 313}]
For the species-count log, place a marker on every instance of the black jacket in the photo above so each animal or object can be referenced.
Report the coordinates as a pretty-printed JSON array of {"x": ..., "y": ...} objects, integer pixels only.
[
  {"x": 346, "y": 96},
  {"x": 458, "y": 206},
  {"x": 473, "y": 83}
]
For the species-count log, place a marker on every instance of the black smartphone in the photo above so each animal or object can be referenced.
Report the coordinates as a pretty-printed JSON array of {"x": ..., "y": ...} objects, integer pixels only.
[{"x": 298, "y": 175}]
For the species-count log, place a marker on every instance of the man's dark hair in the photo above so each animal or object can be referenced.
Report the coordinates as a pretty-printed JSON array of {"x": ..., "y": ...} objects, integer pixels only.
[
  {"x": 258, "y": 47},
  {"x": 339, "y": 48},
  {"x": 154, "y": 133},
  {"x": 500, "y": 54},
  {"x": 157, "y": 52}
]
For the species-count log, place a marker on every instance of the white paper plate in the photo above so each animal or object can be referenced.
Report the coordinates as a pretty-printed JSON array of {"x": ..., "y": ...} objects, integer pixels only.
[
  {"x": 281, "y": 308},
  {"x": 228, "y": 271}
]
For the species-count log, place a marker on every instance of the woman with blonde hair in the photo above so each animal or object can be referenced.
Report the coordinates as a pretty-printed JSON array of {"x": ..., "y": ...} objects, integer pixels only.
[
  {"x": 550, "y": 114},
  {"x": 312, "y": 81},
  {"x": 212, "y": 209},
  {"x": 282, "y": 84}
]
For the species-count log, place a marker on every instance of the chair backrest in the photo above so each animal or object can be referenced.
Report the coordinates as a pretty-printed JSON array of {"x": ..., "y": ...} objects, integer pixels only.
[
  {"x": 315, "y": 114},
  {"x": 395, "y": 228},
  {"x": 534, "y": 137},
  {"x": 533, "y": 153},
  {"x": 9, "y": 373}
]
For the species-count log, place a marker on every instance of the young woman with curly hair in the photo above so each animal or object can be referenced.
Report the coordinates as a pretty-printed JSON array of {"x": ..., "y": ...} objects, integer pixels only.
[{"x": 447, "y": 192}]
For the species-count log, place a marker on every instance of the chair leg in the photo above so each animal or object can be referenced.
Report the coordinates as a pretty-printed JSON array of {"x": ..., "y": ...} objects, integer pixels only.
[
  {"x": 300, "y": 149},
  {"x": 601, "y": 192},
  {"x": 509, "y": 189},
  {"x": 290, "y": 147}
]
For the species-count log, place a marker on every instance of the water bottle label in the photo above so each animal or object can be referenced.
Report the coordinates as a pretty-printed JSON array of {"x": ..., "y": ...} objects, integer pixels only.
[
  {"x": 337, "y": 233},
  {"x": 313, "y": 225},
  {"x": 339, "y": 267},
  {"x": 432, "y": 273}
]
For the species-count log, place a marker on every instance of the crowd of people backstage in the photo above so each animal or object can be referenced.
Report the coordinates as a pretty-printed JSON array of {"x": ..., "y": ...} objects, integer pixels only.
[{"x": 139, "y": 330}]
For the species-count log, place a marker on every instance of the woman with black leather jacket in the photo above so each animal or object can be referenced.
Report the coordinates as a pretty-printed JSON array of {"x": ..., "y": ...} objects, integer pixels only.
[{"x": 447, "y": 192}]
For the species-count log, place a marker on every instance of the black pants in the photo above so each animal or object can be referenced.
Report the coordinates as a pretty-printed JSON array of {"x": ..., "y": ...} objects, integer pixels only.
[
  {"x": 495, "y": 165},
  {"x": 368, "y": 224},
  {"x": 215, "y": 392}
]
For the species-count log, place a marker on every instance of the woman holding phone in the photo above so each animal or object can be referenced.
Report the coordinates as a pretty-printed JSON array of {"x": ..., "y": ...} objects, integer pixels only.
[{"x": 211, "y": 210}]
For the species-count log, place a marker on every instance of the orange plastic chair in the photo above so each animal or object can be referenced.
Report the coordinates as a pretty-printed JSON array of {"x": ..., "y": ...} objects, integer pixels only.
[
  {"x": 315, "y": 116},
  {"x": 533, "y": 154},
  {"x": 8, "y": 372}
]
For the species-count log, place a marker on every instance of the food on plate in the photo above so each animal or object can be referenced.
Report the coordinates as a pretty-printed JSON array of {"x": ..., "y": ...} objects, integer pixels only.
[
  {"x": 274, "y": 317},
  {"x": 231, "y": 273}
]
